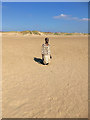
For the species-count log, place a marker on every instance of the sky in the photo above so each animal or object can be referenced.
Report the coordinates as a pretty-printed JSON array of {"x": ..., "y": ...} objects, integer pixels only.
[
  {"x": 45, "y": 0},
  {"x": 45, "y": 16}
]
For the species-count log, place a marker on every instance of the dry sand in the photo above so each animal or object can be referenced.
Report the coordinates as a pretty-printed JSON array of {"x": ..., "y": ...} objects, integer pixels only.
[{"x": 30, "y": 89}]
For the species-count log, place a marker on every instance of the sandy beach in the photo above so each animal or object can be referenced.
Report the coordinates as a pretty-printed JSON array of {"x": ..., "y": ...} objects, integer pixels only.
[{"x": 33, "y": 90}]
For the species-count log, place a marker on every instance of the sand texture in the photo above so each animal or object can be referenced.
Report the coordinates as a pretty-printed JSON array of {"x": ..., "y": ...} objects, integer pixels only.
[{"x": 30, "y": 89}]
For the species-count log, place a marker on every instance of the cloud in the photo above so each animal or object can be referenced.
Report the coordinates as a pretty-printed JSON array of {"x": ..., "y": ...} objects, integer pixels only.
[
  {"x": 64, "y": 16},
  {"x": 61, "y": 16},
  {"x": 74, "y": 18},
  {"x": 85, "y": 19},
  {"x": 69, "y": 17}
]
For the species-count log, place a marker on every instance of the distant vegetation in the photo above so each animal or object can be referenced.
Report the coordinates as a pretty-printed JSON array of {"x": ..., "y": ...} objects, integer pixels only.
[
  {"x": 68, "y": 34},
  {"x": 36, "y": 32},
  {"x": 26, "y": 32},
  {"x": 57, "y": 33},
  {"x": 51, "y": 33},
  {"x": 48, "y": 33},
  {"x": 45, "y": 33}
]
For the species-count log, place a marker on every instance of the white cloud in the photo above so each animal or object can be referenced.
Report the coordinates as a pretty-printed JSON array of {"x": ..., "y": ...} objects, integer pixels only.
[
  {"x": 75, "y": 18},
  {"x": 61, "y": 16},
  {"x": 64, "y": 16},
  {"x": 69, "y": 17},
  {"x": 84, "y": 19}
]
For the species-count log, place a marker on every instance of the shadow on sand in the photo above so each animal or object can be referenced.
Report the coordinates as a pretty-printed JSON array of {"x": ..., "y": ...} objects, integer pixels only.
[{"x": 38, "y": 60}]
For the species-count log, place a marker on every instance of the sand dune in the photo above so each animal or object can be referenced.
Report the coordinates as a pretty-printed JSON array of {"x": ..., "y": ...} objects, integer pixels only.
[{"x": 30, "y": 89}]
